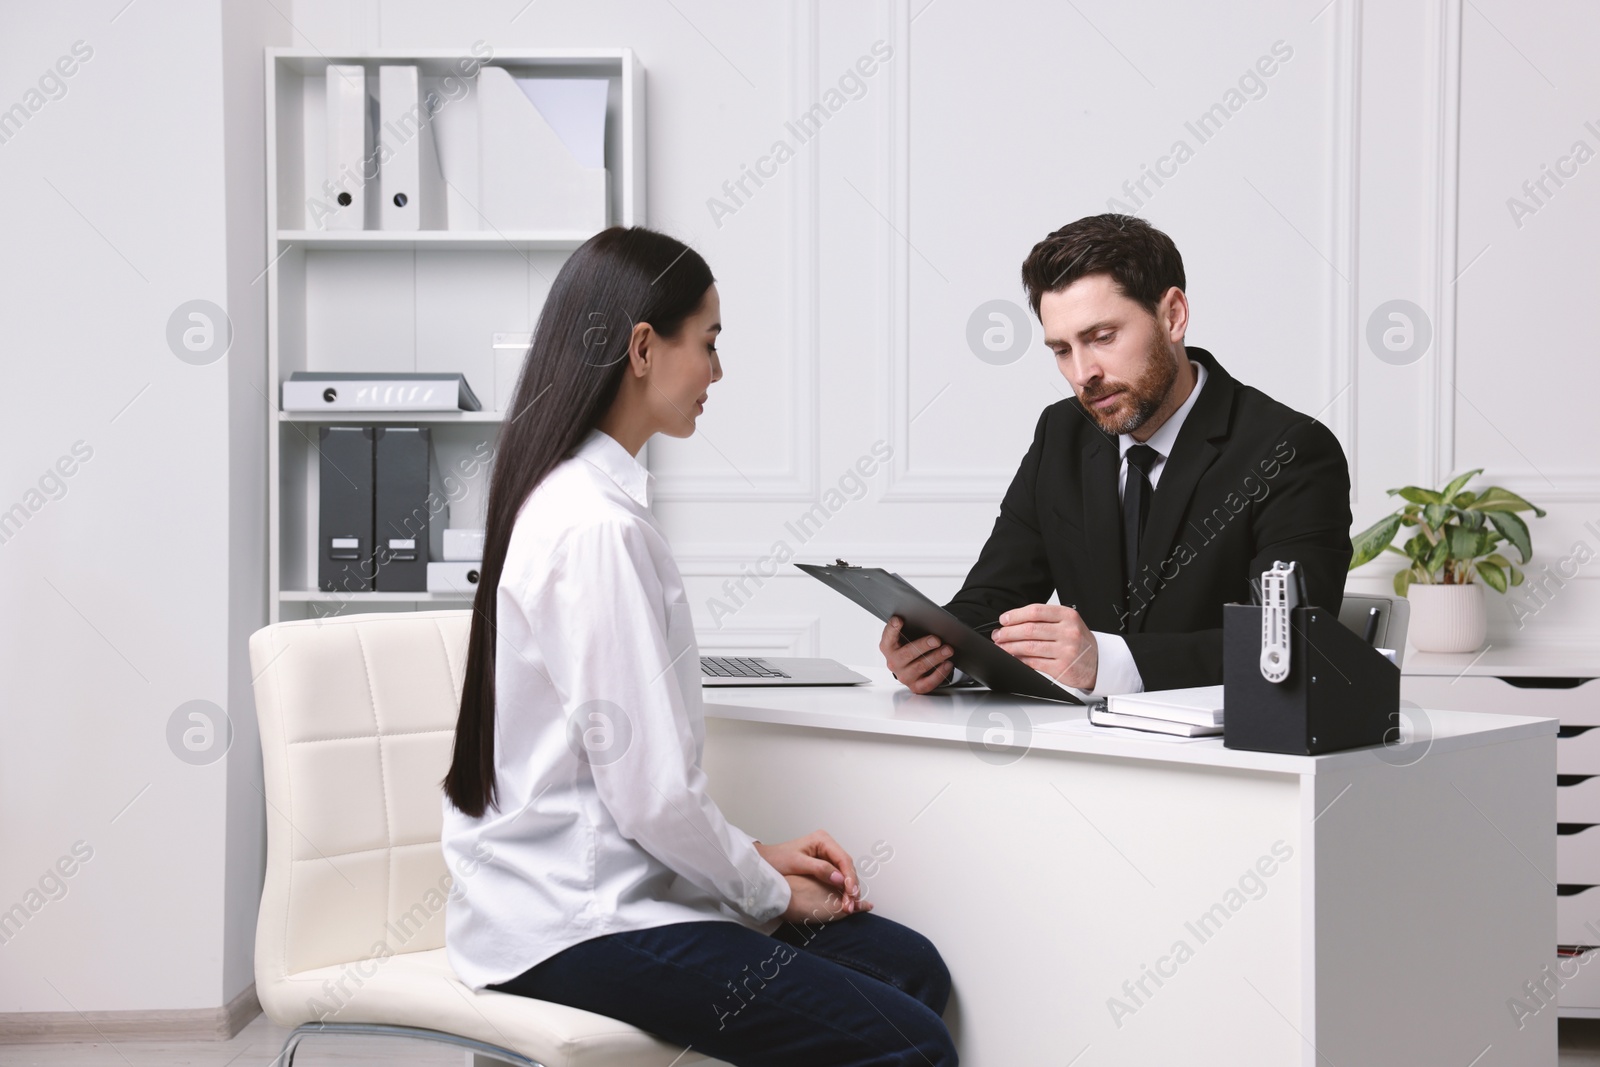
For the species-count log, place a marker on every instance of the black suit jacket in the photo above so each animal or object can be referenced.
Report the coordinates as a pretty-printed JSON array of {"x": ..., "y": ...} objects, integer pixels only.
[{"x": 1249, "y": 481}]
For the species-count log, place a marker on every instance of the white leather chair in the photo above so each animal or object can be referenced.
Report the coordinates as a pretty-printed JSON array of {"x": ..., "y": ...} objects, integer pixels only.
[{"x": 357, "y": 717}]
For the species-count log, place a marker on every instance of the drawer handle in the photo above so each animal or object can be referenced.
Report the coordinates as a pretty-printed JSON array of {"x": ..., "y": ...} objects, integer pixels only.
[
  {"x": 1563, "y": 780},
  {"x": 1573, "y": 731},
  {"x": 1572, "y": 827},
  {"x": 1545, "y": 682},
  {"x": 1572, "y": 890}
]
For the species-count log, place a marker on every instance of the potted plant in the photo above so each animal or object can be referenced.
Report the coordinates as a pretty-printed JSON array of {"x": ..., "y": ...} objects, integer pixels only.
[{"x": 1457, "y": 541}]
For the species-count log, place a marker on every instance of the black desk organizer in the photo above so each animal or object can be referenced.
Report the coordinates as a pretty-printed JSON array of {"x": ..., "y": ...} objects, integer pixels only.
[{"x": 1340, "y": 693}]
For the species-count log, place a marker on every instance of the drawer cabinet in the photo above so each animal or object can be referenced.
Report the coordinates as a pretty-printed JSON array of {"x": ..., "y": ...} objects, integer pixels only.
[
  {"x": 1578, "y": 918},
  {"x": 1578, "y": 858},
  {"x": 1573, "y": 700},
  {"x": 1578, "y": 801}
]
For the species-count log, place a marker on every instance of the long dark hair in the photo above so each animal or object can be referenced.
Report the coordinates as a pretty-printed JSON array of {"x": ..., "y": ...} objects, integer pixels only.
[{"x": 570, "y": 376}]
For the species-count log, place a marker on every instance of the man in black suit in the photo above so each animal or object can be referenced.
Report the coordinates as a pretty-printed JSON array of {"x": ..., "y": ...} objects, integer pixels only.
[{"x": 1151, "y": 498}]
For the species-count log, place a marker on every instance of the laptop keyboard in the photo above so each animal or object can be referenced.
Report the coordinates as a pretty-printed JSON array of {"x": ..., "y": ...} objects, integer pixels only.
[{"x": 738, "y": 667}]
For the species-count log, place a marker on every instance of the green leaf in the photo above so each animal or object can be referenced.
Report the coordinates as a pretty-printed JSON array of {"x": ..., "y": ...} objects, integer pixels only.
[
  {"x": 1417, "y": 547},
  {"x": 1515, "y": 531},
  {"x": 1418, "y": 496},
  {"x": 1436, "y": 514},
  {"x": 1496, "y": 499},
  {"x": 1369, "y": 543},
  {"x": 1455, "y": 486},
  {"x": 1466, "y": 544},
  {"x": 1492, "y": 576},
  {"x": 1471, "y": 519},
  {"x": 1402, "y": 582},
  {"x": 1463, "y": 498},
  {"x": 1516, "y": 575},
  {"x": 1499, "y": 561}
]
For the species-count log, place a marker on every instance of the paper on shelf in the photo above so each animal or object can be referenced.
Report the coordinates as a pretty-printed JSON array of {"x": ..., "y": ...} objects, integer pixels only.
[{"x": 575, "y": 108}]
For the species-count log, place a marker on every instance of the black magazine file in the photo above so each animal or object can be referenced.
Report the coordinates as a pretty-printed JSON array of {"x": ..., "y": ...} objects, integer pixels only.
[{"x": 1340, "y": 693}]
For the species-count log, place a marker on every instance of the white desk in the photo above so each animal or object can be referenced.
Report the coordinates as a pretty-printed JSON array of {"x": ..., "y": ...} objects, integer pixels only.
[{"x": 1416, "y": 897}]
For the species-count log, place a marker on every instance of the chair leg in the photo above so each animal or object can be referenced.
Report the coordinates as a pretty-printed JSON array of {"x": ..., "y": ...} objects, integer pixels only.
[{"x": 478, "y": 1053}]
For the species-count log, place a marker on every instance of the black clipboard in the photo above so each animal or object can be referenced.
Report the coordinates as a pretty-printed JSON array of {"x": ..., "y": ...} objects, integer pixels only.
[{"x": 886, "y": 594}]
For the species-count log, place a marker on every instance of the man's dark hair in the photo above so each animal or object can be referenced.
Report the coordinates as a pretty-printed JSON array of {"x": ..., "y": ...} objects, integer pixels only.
[{"x": 1141, "y": 259}]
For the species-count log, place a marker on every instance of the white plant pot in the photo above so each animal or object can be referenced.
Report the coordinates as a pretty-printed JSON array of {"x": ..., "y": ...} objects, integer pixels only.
[{"x": 1447, "y": 618}]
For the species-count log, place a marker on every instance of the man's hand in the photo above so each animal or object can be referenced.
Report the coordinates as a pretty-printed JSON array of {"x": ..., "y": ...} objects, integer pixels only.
[
  {"x": 818, "y": 859},
  {"x": 921, "y": 665},
  {"x": 1053, "y": 639}
]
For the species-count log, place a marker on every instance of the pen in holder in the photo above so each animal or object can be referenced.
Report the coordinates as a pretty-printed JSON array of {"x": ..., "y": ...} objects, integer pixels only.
[{"x": 1339, "y": 692}]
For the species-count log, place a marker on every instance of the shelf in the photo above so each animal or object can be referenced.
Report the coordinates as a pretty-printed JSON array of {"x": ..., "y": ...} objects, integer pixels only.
[
  {"x": 317, "y": 596},
  {"x": 373, "y": 300},
  {"x": 442, "y": 240},
  {"x": 390, "y": 416}
]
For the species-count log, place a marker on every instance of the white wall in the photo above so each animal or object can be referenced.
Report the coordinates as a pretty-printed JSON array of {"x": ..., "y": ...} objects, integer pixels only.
[
  {"x": 131, "y": 591},
  {"x": 1375, "y": 167},
  {"x": 848, "y": 278}
]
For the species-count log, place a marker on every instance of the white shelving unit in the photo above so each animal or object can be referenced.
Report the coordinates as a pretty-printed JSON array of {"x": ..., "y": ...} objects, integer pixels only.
[{"x": 429, "y": 300}]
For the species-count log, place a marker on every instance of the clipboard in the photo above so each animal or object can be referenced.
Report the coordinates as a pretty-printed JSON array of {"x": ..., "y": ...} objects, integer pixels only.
[{"x": 886, "y": 594}]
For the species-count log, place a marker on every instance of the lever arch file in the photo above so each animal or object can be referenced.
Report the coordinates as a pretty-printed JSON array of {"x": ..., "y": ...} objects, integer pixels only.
[
  {"x": 341, "y": 203},
  {"x": 411, "y": 184}
]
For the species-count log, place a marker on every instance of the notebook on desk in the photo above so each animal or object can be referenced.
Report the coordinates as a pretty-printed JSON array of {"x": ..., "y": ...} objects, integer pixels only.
[{"x": 1191, "y": 712}]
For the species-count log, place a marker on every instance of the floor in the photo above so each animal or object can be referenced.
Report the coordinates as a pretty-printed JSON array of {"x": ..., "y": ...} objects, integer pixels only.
[{"x": 258, "y": 1044}]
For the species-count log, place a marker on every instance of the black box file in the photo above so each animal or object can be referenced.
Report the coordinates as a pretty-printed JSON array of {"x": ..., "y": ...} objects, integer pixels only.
[
  {"x": 1340, "y": 693},
  {"x": 403, "y": 458},
  {"x": 344, "y": 509}
]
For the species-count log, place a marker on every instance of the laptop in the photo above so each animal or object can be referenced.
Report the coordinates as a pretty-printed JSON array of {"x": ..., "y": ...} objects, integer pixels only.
[{"x": 721, "y": 671}]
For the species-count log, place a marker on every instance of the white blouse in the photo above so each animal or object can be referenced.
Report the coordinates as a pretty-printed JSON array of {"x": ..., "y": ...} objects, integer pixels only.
[{"x": 603, "y": 823}]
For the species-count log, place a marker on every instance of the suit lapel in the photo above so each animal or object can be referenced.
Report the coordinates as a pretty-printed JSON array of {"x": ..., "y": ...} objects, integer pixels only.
[{"x": 1192, "y": 453}]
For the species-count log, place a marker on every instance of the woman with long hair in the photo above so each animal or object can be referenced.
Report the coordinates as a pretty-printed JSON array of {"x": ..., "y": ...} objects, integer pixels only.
[{"x": 593, "y": 869}]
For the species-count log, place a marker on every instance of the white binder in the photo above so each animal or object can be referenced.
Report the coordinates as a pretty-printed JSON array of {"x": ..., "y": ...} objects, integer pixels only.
[
  {"x": 341, "y": 203},
  {"x": 530, "y": 177},
  {"x": 411, "y": 187}
]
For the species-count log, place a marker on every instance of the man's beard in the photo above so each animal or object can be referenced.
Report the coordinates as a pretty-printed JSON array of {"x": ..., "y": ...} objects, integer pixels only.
[{"x": 1142, "y": 397}]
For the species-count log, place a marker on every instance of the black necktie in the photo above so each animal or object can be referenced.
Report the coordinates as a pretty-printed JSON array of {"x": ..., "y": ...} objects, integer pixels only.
[{"x": 1136, "y": 505}]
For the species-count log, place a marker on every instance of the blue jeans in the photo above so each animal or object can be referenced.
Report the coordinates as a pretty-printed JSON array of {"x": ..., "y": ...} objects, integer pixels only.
[{"x": 860, "y": 991}]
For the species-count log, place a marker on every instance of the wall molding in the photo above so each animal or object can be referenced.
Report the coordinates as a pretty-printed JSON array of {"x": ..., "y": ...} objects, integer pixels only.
[
  {"x": 732, "y": 559},
  {"x": 1439, "y": 420},
  {"x": 800, "y": 478},
  {"x": 1344, "y": 222},
  {"x": 1343, "y": 352},
  {"x": 1570, "y": 487},
  {"x": 775, "y": 635}
]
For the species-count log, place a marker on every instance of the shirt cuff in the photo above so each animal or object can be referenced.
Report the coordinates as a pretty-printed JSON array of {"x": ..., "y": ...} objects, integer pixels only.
[
  {"x": 1117, "y": 672},
  {"x": 766, "y": 892}
]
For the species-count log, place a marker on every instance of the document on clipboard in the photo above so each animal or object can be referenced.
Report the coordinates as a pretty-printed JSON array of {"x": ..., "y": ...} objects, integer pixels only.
[{"x": 886, "y": 594}]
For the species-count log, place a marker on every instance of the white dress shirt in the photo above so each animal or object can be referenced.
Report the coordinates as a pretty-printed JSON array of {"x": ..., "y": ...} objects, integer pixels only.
[
  {"x": 603, "y": 823},
  {"x": 1118, "y": 673}
]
